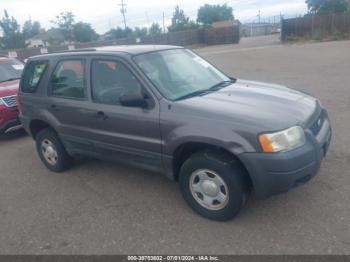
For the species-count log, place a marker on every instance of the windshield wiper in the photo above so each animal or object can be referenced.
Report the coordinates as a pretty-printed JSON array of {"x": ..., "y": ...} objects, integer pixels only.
[
  {"x": 193, "y": 94},
  {"x": 222, "y": 84},
  {"x": 214, "y": 88},
  {"x": 10, "y": 79}
]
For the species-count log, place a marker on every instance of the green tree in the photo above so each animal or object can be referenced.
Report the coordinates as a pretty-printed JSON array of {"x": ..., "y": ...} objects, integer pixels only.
[
  {"x": 83, "y": 32},
  {"x": 208, "y": 14},
  {"x": 119, "y": 32},
  {"x": 65, "y": 23},
  {"x": 140, "y": 31},
  {"x": 31, "y": 28},
  {"x": 180, "y": 22},
  {"x": 11, "y": 31},
  {"x": 327, "y": 6},
  {"x": 155, "y": 29}
]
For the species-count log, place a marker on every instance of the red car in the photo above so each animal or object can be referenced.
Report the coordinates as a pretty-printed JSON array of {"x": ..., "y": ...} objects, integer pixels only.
[{"x": 10, "y": 73}]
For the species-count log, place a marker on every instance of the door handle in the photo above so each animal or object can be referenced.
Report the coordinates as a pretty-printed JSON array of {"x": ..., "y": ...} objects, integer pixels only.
[
  {"x": 101, "y": 114},
  {"x": 53, "y": 107}
]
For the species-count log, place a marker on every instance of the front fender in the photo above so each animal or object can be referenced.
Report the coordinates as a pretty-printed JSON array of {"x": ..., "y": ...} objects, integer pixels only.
[
  {"x": 220, "y": 137},
  {"x": 224, "y": 138}
]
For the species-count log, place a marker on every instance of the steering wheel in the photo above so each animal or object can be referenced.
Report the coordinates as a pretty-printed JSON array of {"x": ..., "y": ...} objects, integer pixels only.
[{"x": 111, "y": 94}]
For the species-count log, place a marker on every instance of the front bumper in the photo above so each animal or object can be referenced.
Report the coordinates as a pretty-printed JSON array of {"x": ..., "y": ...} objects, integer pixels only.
[
  {"x": 9, "y": 120},
  {"x": 276, "y": 173}
]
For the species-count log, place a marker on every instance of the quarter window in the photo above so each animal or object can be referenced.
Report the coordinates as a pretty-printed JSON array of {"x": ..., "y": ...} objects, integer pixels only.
[
  {"x": 68, "y": 79},
  {"x": 34, "y": 72},
  {"x": 110, "y": 80}
]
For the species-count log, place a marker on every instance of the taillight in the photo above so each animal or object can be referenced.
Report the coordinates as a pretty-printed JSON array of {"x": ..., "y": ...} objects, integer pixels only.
[{"x": 18, "y": 100}]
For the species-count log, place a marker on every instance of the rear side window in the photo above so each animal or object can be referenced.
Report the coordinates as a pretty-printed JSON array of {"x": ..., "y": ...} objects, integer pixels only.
[
  {"x": 68, "y": 79},
  {"x": 32, "y": 76}
]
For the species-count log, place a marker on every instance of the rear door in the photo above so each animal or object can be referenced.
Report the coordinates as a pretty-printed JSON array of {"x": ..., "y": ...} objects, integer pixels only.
[
  {"x": 130, "y": 134},
  {"x": 68, "y": 103}
]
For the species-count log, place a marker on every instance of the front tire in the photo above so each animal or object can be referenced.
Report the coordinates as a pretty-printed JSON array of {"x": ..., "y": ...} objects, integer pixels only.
[
  {"x": 212, "y": 183},
  {"x": 51, "y": 151}
]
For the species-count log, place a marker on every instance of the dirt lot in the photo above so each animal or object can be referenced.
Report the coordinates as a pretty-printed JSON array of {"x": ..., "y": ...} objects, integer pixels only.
[{"x": 100, "y": 207}]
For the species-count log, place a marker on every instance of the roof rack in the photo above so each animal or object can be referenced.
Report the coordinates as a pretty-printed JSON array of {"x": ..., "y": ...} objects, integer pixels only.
[{"x": 75, "y": 50}]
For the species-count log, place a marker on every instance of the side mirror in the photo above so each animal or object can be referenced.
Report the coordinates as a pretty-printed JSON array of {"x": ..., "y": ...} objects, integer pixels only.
[{"x": 134, "y": 100}]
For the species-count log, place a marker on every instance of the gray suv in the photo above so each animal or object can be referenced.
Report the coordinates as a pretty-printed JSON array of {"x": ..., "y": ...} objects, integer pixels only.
[{"x": 166, "y": 109}]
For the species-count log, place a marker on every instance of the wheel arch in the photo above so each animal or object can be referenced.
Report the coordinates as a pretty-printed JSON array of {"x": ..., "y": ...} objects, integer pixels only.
[
  {"x": 185, "y": 150},
  {"x": 37, "y": 125}
]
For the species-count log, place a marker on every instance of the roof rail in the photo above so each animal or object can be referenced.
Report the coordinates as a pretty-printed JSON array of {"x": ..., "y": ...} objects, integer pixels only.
[{"x": 75, "y": 50}]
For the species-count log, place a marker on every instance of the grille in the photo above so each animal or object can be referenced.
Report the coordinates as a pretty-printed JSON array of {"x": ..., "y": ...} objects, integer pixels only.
[
  {"x": 317, "y": 125},
  {"x": 10, "y": 101}
]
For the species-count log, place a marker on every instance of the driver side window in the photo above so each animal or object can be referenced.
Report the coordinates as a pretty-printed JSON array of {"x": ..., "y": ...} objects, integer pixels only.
[{"x": 110, "y": 80}]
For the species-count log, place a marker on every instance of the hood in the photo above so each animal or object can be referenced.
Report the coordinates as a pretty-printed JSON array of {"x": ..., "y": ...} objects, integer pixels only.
[
  {"x": 9, "y": 88},
  {"x": 266, "y": 107}
]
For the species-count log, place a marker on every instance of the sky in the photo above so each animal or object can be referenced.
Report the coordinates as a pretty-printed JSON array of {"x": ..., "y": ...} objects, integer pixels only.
[{"x": 105, "y": 14}]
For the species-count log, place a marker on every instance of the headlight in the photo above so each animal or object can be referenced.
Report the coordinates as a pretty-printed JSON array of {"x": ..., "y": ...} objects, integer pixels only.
[{"x": 282, "y": 141}]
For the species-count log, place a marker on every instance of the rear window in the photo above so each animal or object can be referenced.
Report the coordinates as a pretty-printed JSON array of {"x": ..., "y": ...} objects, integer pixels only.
[{"x": 32, "y": 76}]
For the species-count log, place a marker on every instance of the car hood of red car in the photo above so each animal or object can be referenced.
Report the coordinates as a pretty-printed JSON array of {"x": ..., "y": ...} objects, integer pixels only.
[{"x": 9, "y": 88}]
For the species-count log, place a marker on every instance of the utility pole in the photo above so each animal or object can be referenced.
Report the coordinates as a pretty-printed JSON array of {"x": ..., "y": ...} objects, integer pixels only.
[
  {"x": 259, "y": 16},
  {"x": 163, "y": 23},
  {"x": 123, "y": 11},
  {"x": 147, "y": 18}
]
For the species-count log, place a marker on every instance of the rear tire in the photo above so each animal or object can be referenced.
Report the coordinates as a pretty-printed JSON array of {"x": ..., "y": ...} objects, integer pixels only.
[
  {"x": 51, "y": 151},
  {"x": 212, "y": 183}
]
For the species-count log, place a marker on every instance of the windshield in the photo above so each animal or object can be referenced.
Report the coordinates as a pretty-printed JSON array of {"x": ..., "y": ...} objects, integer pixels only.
[
  {"x": 177, "y": 73},
  {"x": 10, "y": 69}
]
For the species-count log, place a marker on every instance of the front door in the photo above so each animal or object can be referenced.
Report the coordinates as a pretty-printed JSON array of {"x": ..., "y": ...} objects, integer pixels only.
[{"x": 130, "y": 134}]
